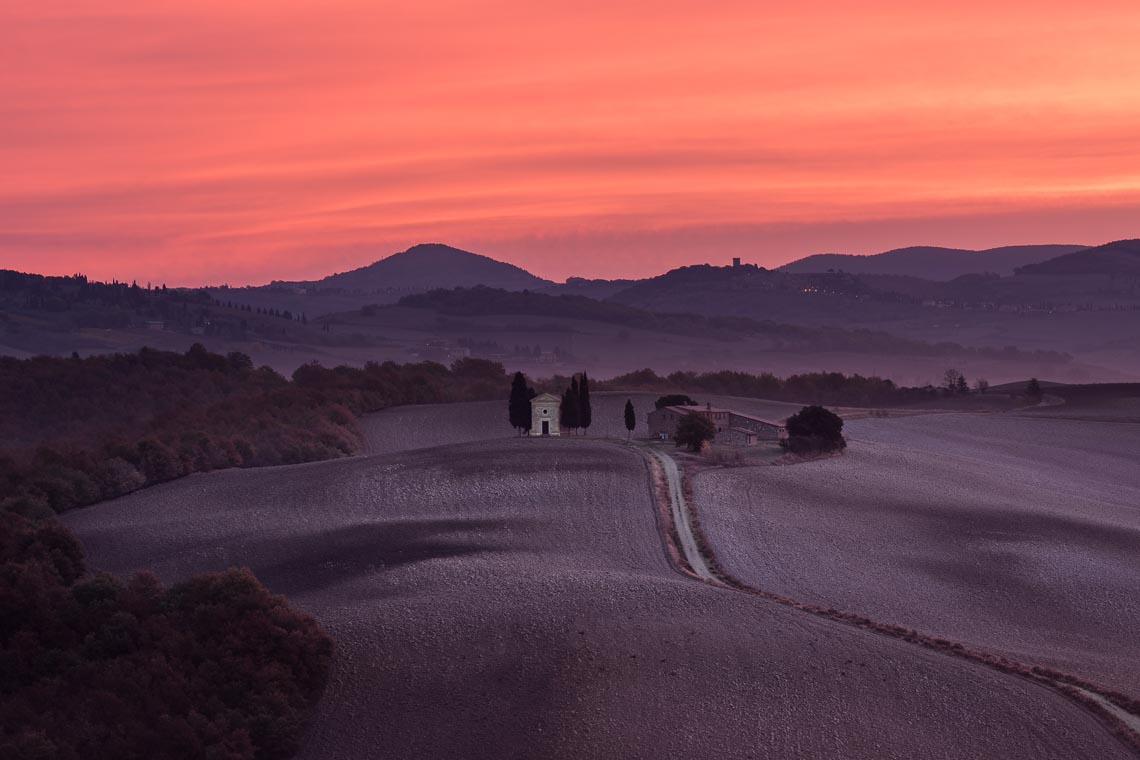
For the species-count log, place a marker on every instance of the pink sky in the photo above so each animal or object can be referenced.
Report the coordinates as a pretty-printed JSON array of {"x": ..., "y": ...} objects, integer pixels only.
[{"x": 245, "y": 141}]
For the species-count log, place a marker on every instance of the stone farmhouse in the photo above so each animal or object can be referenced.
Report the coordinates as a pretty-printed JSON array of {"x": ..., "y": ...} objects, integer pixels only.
[
  {"x": 732, "y": 427},
  {"x": 544, "y": 414}
]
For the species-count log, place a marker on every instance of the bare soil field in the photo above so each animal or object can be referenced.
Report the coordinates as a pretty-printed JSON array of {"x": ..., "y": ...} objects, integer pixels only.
[
  {"x": 511, "y": 599},
  {"x": 1018, "y": 536},
  {"x": 1118, "y": 402},
  {"x": 405, "y": 428}
]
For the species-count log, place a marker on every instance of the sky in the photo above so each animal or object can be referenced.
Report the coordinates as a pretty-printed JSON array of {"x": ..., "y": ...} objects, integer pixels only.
[{"x": 240, "y": 142}]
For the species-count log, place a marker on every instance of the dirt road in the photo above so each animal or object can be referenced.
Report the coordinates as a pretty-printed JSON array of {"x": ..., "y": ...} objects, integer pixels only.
[{"x": 681, "y": 516}]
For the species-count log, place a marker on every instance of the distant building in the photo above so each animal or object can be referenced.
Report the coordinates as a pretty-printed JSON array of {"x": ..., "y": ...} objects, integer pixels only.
[
  {"x": 544, "y": 410},
  {"x": 732, "y": 427},
  {"x": 155, "y": 324},
  {"x": 735, "y": 261}
]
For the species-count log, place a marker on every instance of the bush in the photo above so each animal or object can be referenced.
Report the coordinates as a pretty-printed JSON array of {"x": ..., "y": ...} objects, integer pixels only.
[
  {"x": 213, "y": 667},
  {"x": 814, "y": 429},
  {"x": 693, "y": 431}
]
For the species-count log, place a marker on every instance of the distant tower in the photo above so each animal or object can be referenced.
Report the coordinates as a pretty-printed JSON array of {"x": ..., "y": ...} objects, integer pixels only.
[{"x": 736, "y": 261}]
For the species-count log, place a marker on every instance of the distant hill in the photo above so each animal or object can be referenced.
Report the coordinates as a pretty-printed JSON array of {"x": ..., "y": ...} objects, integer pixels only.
[
  {"x": 933, "y": 263},
  {"x": 1120, "y": 257},
  {"x": 426, "y": 267},
  {"x": 752, "y": 291}
]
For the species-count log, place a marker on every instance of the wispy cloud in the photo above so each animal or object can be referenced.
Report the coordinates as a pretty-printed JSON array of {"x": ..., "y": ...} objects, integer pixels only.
[{"x": 228, "y": 141}]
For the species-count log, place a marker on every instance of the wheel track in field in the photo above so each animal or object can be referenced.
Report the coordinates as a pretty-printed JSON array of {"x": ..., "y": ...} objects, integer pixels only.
[{"x": 686, "y": 542}]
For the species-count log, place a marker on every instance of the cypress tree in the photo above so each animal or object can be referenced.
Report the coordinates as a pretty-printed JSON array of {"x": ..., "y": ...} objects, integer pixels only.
[
  {"x": 576, "y": 393},
  {"x": 585, "y": 416},
  {"x": 630, "y": 418},
  {"x": 518, "y": 406},
  {"x": 568, "y": 412},
  {"x": 530, "y": 394}
]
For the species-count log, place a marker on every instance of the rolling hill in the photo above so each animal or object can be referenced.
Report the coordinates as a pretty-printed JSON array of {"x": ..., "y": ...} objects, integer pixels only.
[
  {"x": 931, "y": 262},
  {"x": 1120, "y": 257},
  {"x": 428, "y": 266}
]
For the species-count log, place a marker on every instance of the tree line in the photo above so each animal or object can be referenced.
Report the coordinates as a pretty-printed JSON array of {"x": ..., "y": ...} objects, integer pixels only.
[
  {"x": 77, "y": 431},
  {"x": 835, "y": 388}
]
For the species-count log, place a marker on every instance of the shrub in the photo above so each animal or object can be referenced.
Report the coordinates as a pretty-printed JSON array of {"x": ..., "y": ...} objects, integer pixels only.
[
  {"x": 814, "y": 429},
  {"x": 693, "y": 431},
  {"x": 213, "y": 667}
]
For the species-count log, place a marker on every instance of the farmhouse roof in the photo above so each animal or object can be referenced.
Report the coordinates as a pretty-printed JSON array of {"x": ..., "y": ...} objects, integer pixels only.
[{"x": 707, "y": 408}]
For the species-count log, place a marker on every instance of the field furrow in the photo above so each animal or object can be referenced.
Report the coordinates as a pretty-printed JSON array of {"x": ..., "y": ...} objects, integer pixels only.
[{"x": 512, "y": 599}]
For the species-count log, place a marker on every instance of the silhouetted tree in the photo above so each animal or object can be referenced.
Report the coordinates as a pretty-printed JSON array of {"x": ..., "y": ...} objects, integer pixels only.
[
  {"x": 585, "y": 415},
  {"x": 961, "y": 386},
  {"x": 568, "y": 411},
  {"x": 630, "y": 418},
  {"x": 981, "y": 385},
  {"x": 518, "y": 405},
  {"x": 1033, "y": 389},
  {"x": 813, "y": 429},
  {"x": 693, "y": 430}
]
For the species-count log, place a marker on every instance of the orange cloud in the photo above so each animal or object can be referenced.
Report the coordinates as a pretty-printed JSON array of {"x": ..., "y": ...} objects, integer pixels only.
[{"x": 211, "y": 141}]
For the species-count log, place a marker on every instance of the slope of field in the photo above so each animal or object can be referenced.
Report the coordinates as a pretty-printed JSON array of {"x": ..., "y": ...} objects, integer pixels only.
[
  {"x": 1019, "y": 536},
  {"x": 1119, "y": 402},
  {"x": 512, "y": 599},
  {"x": 404, "y": 428}
]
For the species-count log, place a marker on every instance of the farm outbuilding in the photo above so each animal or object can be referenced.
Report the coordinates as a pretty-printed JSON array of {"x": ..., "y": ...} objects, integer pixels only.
[
  {"x": 732, "y": 427},
  {"x": 544, "y": 414}
]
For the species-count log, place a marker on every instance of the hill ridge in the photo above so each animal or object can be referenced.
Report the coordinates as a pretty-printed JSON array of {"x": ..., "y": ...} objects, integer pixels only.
[{"x": 933, "y": 262}]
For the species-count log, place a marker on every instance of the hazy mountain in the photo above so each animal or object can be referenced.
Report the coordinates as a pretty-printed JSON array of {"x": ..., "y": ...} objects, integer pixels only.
[
  {"x": 752, "y": 291},
  {"x": 1120, "y": 257},
  {"x": 933, "y": 263},
  {"x": 428, "y": 266},
  {"x": 765, "y": 334}
]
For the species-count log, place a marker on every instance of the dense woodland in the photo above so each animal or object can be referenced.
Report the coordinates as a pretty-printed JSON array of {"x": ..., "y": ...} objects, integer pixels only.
[
  {"x": 77, "y": 431},
  {"x": 97, "y": 667}
]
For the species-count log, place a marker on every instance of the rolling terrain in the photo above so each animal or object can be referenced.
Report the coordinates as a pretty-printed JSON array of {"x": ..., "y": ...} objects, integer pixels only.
[
  {"x": 1018, "y": 536},
  {"x": 932, "y": 262},
  {"x": 513, "y": 599},
  {"x": 1120, "y": 258},
  {"x": 1072, "y": 317},
  {"x": 425, "y": 267},
  {"x": 416, "y": 427}
]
